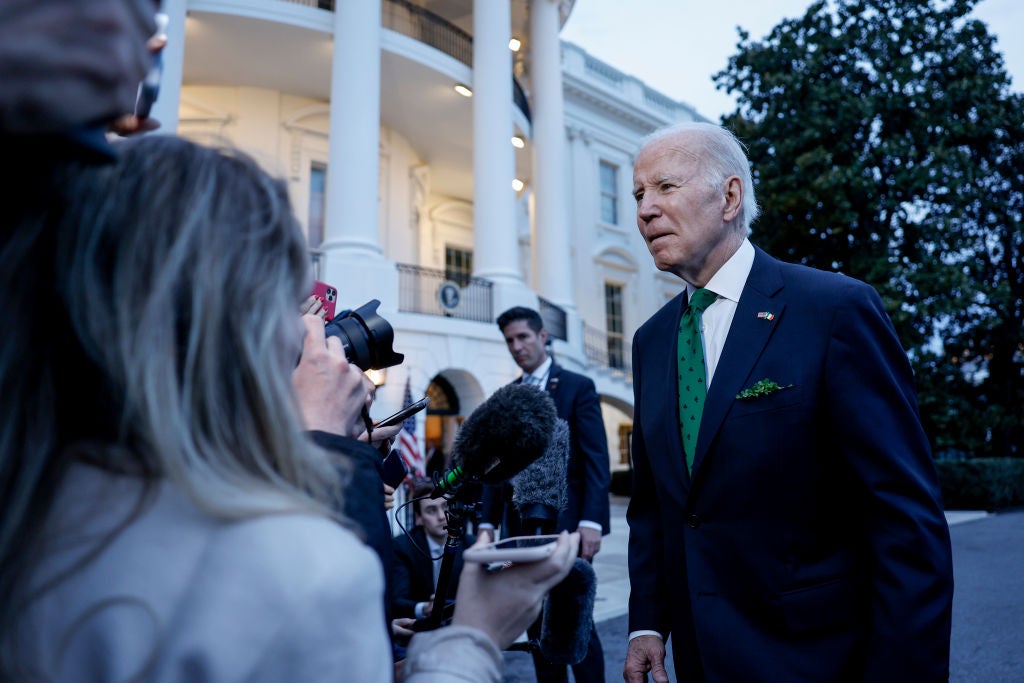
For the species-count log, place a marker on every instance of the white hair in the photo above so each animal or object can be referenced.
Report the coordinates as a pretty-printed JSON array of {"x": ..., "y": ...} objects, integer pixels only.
[{"x": 721, "y": 155}]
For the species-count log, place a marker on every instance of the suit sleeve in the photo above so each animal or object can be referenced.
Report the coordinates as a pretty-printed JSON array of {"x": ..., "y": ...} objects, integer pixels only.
[
  {"x": 874, "y": 415},
  {"x": 363, "y": 499},
  {"x": 403, "y": 602},
  {"x": 592, "y": 445},
  {"x": 648, "y": 589}
]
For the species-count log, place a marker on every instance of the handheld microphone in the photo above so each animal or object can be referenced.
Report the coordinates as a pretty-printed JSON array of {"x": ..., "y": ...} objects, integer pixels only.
[
  {"x": 503, "y": 435},
  {"x": 539, "y": 491},
  {"x": 568, "y": 616}
]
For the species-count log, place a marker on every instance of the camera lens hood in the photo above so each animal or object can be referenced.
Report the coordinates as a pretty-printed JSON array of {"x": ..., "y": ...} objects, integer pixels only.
[{"x": 366, "y": 337}]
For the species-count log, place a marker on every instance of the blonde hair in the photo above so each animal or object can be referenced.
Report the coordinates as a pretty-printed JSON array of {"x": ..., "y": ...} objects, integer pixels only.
[{"x": 177, "y": 272}]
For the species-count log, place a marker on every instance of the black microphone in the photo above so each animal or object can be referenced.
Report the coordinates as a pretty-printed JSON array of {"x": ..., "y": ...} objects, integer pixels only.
[
  {"x": 568, "y": 616},
  {"x": 503, "y": 435},
  {"x": 540, "y": 491}
]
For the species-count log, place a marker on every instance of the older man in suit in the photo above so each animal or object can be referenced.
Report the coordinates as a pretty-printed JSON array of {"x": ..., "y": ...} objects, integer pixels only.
[
  {"x": 587, "y": 470},
  {"x": 785, "y": 522}
]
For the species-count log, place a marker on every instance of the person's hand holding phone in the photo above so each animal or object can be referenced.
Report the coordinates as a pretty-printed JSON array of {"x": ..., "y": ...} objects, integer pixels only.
[
  {"x": 503, "y": 603},
  {"x": 331, "y": 391},
  {"x": 327, "y": 296},
  {"x": 313, "y": 306}
]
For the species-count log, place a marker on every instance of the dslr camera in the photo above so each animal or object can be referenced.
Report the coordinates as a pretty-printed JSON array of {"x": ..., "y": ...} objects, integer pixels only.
[{"x": 366, "y": 337}]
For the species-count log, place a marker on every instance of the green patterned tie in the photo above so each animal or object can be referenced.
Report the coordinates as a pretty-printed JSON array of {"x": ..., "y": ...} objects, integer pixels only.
[{"x": 692, "y": 376}]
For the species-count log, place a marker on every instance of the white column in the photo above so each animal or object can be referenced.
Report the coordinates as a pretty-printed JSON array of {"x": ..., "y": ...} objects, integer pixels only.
[
  {"x": 551, "y": 250},
  {"x": 495, "y": 246},
  {"x": 165, "y": 109},
  {"x": 353, "y": 158}
]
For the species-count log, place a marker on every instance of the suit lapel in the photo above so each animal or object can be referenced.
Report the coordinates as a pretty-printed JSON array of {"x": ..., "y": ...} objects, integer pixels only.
[
  {"x": 553, "y": 379},
  {"x": 748, "y": 336}
]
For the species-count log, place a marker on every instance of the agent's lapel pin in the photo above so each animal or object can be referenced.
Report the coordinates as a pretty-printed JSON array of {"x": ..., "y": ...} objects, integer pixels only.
[{"x": 766, "y": 315}]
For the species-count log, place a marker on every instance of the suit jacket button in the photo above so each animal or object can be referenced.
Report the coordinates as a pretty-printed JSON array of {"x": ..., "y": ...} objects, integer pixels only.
[{"x": 692, "y": 521}]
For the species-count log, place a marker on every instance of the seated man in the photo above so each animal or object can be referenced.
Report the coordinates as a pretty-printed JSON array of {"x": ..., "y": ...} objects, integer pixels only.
[{"x": 418, "y": 557}]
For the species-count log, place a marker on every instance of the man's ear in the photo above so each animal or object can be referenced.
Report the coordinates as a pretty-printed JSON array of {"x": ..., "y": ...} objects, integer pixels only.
[
  {"x": 733, "y": 198},
  {"x": 543, "y": 334}
]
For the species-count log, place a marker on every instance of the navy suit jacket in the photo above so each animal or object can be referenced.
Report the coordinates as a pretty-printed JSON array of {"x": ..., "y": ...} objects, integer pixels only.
[
  {"x": 587, "y": 471},
  {"x": 809, "y": 543}
]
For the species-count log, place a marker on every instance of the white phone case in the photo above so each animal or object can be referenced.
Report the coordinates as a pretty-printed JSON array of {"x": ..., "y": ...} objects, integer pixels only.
[{"x": 515, "y": 549}]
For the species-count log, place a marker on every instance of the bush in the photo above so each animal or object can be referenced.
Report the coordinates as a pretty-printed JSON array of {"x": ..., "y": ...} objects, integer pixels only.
[{"x": 981, "y": 483}]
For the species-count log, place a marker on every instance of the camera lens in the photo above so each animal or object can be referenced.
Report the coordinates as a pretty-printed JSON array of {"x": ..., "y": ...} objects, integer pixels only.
[{"x": 366, "y": 337}]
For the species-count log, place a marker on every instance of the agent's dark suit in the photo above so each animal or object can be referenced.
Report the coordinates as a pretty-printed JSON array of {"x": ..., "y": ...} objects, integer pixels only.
[
  {"x": 587, "y": 481},
  {"x": 413, "y": 579},
  {"x": 809, "y": 544}
]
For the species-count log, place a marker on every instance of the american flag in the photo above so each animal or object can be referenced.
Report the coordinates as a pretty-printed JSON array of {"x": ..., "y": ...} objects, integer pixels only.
[{"x": 408, "y": 445}]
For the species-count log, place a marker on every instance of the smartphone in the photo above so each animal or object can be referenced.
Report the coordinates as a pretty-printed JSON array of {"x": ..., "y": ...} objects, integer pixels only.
[
  {"x": 515, "y": 549},
  {"x": 328, "y": 297},
  {"x": 149, "y": 88},
  {"x": 402, "y": 414},
  {"x": 393, "y": 469}
]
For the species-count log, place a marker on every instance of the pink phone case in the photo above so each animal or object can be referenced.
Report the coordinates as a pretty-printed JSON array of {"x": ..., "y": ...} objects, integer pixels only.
[{"x": 328, "y": 297}]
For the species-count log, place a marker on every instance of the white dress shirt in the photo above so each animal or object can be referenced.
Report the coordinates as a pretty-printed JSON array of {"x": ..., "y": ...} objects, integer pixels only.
[
  {"x": 716, "y": 320},
  {"x": 539, "y": 376}
]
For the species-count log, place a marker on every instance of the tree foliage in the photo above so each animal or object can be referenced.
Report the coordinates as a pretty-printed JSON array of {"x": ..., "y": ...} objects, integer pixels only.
[{"x": 886, "y": 143}]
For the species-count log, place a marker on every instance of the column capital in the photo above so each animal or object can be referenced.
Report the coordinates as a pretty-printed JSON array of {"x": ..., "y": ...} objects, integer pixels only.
[{"x": 580, "y": 133}]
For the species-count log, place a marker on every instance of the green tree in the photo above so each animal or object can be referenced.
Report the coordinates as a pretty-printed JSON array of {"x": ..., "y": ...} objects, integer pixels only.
[{"x": 886, "y": 143}]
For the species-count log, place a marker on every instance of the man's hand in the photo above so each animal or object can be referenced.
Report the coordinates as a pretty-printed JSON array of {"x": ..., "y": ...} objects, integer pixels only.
[
  {"x": 401, "y": 629},
  {"x": 383, "y": 438},
  {"x": 645, "y": 653},
  {"x": 428, "y": 606},
  {"x": 590, "y": 542}
]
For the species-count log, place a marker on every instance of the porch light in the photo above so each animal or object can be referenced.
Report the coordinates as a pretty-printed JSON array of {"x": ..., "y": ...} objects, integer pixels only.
[{"x": 463, "y": 90}]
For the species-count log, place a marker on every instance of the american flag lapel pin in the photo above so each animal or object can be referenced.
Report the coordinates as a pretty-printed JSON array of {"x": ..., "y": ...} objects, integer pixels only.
[{"x": 766, "y": 315}]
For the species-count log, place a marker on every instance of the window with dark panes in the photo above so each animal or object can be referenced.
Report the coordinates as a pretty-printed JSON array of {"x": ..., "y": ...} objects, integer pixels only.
[
  {"x": 458, "y": 265},
  {"x": 609, "y": 193},
  {"x": 614, "y": 326},
  {"x": 317, "y": 185}
]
